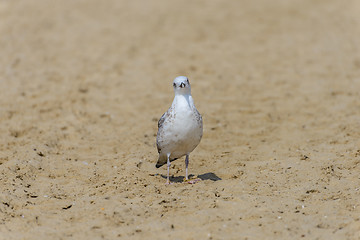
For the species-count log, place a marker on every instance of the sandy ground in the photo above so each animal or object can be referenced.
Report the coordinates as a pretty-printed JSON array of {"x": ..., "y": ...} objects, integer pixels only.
[{"x": 83, "y": 84}]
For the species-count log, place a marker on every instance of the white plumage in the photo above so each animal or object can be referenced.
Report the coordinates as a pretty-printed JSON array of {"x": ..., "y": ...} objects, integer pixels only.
[{"x": 180, "y": 128}]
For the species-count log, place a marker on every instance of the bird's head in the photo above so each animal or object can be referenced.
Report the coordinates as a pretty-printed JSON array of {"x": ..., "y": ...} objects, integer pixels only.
[{"x": 181, "y": 85}]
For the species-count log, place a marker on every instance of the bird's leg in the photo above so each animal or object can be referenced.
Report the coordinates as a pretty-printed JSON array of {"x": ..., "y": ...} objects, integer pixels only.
[
  {"x": 193, "y": 181},
  {"x": 186, "y": 164},
  {"x": 168, "y": 168}
]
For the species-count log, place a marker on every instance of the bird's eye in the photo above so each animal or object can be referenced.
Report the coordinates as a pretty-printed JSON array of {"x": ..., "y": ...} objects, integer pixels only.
[
  {"x": 174, "y": 84},
  {"x": 187, "y": 80}
]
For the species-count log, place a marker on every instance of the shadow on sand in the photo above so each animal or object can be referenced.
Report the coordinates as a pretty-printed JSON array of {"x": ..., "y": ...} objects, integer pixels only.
[{"x": 205, "y": 176}]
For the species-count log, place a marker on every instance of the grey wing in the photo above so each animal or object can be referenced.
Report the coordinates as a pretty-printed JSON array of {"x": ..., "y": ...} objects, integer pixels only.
[
  {"x": 199, "y": 120},
  {"x": 160, "y": 129},
  {"x": 166, "y": 117},
  {"x": 161, "y": 120},
  {"x": 198, "y": 117}
]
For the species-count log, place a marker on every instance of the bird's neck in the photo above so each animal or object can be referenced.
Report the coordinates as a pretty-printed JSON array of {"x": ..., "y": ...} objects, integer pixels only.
[{"x": 183, "y": 100}]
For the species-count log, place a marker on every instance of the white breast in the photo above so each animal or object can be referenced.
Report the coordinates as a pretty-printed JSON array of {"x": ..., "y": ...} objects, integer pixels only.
[{"x": 183, "y": 130}]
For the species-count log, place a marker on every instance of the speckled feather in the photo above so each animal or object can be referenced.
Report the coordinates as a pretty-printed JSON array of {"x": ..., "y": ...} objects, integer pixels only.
[{"x": 179, "y": 128}]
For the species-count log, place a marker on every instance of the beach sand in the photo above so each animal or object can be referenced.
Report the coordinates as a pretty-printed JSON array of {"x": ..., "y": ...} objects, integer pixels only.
[{"x": 83, "y": 84}]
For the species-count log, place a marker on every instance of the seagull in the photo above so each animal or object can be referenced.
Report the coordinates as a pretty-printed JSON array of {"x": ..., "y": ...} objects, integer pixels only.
[{"x": 180, "y": 128}]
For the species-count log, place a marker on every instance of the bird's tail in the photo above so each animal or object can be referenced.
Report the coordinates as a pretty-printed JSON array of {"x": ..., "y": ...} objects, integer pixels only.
[{"x": 163, "y": 160}]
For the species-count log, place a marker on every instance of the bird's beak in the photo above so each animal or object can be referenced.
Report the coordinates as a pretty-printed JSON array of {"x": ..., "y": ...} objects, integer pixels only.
[{"x": 182, "y": 85}]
